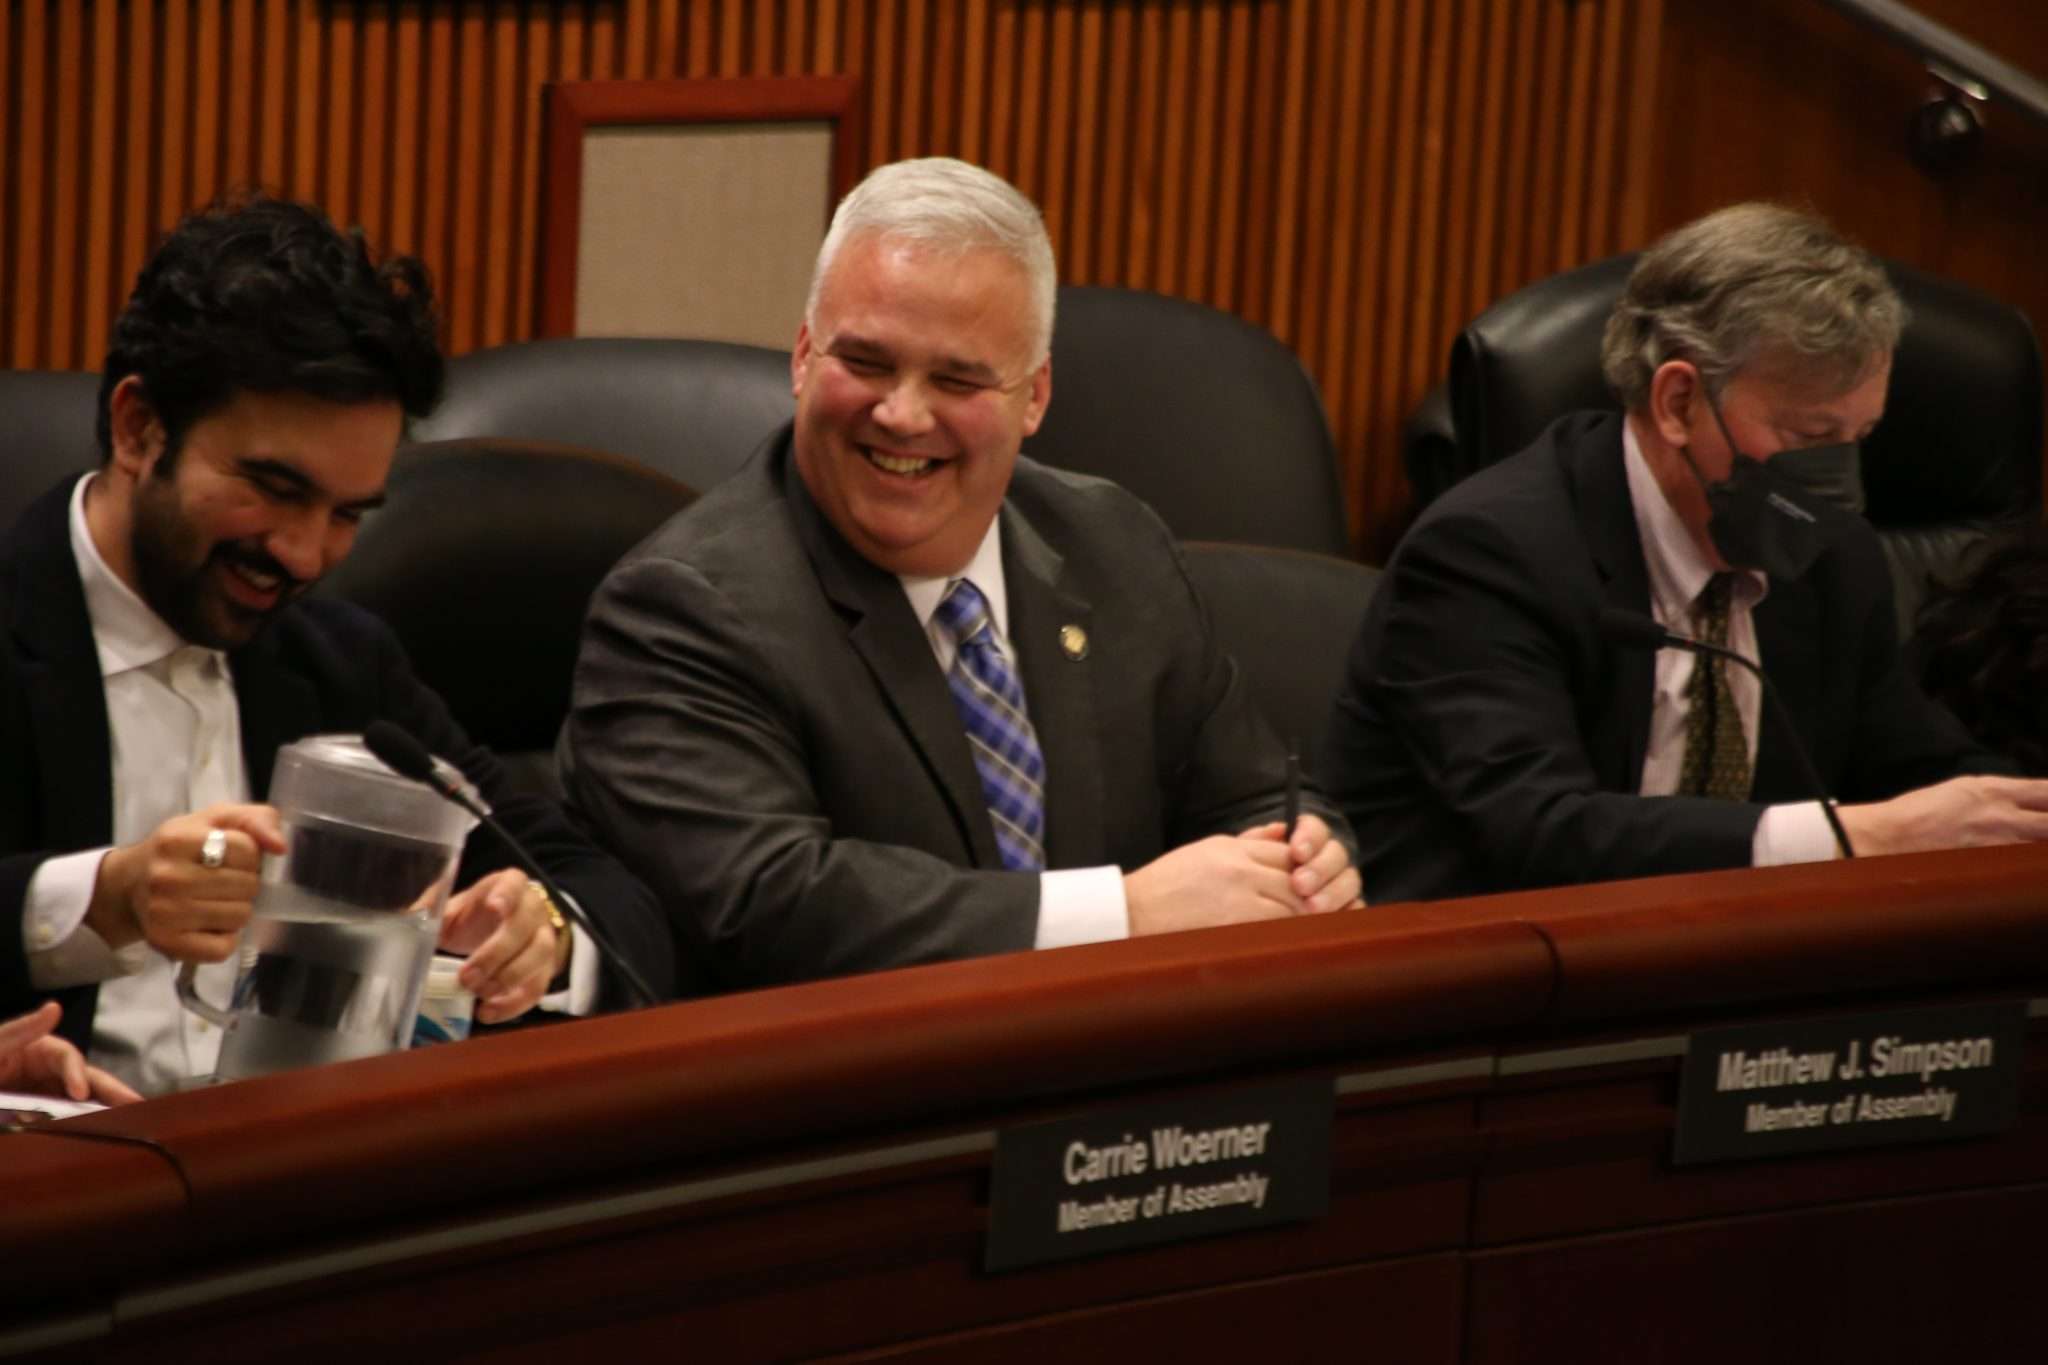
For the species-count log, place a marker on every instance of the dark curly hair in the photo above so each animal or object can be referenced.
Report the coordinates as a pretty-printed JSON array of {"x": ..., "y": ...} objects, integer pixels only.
[
  {"x": 1983, "y": 649},
  {"x": 264, "y": 295}
]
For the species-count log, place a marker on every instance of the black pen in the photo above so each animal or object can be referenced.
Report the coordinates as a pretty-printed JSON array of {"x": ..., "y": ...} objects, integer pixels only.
[{"x": 1293, "y": 792}]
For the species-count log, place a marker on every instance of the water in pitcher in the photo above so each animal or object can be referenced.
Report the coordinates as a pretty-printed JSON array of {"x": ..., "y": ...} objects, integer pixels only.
[
  {"x": 334, "y": 976},
  {"x": 342, "y": 934}
]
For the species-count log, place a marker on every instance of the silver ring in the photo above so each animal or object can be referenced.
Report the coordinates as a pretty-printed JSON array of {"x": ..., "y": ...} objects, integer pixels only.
[{"x": 213, "y": 849}]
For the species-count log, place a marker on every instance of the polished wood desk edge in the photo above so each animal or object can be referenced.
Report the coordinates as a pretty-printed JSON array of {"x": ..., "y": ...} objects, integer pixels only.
[{"x": 557, "y": 1107}]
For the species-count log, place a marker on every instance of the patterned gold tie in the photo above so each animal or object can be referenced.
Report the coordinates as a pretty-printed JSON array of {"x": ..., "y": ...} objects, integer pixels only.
[{"x": 1716, "y": 750}]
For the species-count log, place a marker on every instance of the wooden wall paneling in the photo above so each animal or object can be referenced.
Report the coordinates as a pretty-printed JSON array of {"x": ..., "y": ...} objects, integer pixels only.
[
  {"x": 537, "y": 67},
  {"x": 211, "y": 80},
  {"x": 370, "y": 171},
  {"x": 911, "y": 128},
  {"x": 1096, "y": 233},
  {"x": 1026, "y": 168},
  {"x": 1463, "y": 123},
  {"x": 1343, "y": 323},
  {"x": 1133, "y": 260},
  {"x": 10, "y": 68},
  {"x": 966, "y": 115},
  {"x": 1286, "y": 242},
  {"x": 271, "y": 128},
  {"x": 668, "y": 38},
  {"x": 100, "y": 249},
  {"x": 1079, "y": 118},
  {"x": 1173, "y": 184},
  {"x": 884, "y": 90},
  {"x": 1642, "y": 124},
  {"x": 407, "y": 131},
  {"x": 943, "y": 98},
  {"x": 1064, "y": 80},
  {"x": 1232, "y": 113},
  {"x": 1203, "y": 202},
  {"x": 602, "y": 52},
  {"x": 65, "y": 220},
  {"x": 305, "y": 50},
  {"x": 1427, "y": 339},
  {"x": 1401, "y": 37},
  {"x": 1358, "y": 176},
  {"x": 636, "y": 36},
  {"x": 337, "y": 161},
  {"x": 240, "y": 117}
]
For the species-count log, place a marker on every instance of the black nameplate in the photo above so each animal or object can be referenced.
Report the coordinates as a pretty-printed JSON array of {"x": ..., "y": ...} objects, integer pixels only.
[
  {"x": 1858, "y": 1080},
  {"x": 1164, "y": 1172}
]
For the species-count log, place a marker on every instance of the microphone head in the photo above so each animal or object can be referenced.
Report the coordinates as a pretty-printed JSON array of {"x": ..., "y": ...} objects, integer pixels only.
[
  {"x": 1632, "y": 628},
  {"x": 400, "y": 751}
]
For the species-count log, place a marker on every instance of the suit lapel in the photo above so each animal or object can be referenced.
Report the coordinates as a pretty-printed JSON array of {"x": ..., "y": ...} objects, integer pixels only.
[
  {"x": 1788, "y": 644},
  {"x": 276, "y": 704},
  {"x": 1059, "y": 691},
  {"x": 1600, "y": 483},
  {"x": 60, "y": 676},
  {"x": 883, "y": 631}
]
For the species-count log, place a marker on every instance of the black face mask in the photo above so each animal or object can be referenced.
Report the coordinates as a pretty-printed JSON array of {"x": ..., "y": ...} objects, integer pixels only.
[{"x": 1779, "y": 516}]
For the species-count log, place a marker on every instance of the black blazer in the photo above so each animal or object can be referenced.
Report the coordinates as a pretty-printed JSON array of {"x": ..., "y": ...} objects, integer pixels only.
[
  {"x": 760, "y": 727},
  {"x": 1488, "y": 738},
  {"x": 322, "y": 666}
]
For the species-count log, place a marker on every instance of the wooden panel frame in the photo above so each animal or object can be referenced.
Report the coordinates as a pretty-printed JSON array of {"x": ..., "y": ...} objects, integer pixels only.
[{"x": 573, "y": 108}]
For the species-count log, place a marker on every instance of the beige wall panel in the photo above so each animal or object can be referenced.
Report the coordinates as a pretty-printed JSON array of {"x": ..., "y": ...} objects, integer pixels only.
[{"x": 705, "y": 231}]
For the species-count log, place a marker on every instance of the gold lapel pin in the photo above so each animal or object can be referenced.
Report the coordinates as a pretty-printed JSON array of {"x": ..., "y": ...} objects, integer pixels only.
[{"x": 1074, "y": 641}]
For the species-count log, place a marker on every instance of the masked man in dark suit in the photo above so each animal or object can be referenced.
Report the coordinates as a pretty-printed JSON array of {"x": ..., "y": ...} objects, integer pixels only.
[
  {"x": 158, "y": 652},
  {"x": 893, "y": 693},
  {"x": 1495, "y": 732}
]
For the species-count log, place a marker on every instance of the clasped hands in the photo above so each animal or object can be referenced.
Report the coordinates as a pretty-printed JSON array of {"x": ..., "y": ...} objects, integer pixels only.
[
  {"x": 1258, "y": 874},
  {"x": 192, "y": 907}
]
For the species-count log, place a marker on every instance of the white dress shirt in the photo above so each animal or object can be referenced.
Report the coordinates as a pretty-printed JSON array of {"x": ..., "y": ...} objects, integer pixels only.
[
  {"x": 176, "y": 739},
  {"x": 1679, "y": 570},
  {"x": 175, "y": 734},
  {"x": 1075, "y": 905}
]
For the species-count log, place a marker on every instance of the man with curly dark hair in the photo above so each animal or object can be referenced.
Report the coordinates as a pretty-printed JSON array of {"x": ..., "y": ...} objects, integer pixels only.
[{"x": 160, "y": 648}]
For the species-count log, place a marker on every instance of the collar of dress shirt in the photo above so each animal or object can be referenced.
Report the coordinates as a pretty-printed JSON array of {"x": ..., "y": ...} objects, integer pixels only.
[
  {"x": 984, "y": 570},
  {"x": 1679, "y": 569},
  {"x": 126, "y": 632}
]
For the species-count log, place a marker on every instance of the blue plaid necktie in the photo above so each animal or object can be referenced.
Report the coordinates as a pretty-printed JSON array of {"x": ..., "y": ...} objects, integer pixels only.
[{"x": 991, "y": 705}]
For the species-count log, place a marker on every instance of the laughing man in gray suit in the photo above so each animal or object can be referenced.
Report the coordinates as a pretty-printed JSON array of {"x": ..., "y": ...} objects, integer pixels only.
[{"x": 895, "y": 694}]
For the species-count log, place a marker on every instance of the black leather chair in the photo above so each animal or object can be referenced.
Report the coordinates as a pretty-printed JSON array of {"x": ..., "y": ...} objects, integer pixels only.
[
  {"x": 692, "y": 409},
  {"x": 1209, "y": 419},
  {"x": 1957, "y": 456},
  {"x": 483, "y": 562},
  {"x": 46, "y": 432},
  {"x": 1289, "y": 618}
]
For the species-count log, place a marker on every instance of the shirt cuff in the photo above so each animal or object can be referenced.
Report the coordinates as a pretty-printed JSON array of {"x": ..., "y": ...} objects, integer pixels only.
[
  {"x": 1797, "y": 833},
  {"x": 62, "y": 950},
  {"x": 579, "y": 997},
  {"x": 1081, "y": 905}
]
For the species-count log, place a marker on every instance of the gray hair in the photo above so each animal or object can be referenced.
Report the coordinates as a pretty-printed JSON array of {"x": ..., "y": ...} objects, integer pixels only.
[
  {"x": 1745, "y": 281},
  {"x": 948, "y": 206}
]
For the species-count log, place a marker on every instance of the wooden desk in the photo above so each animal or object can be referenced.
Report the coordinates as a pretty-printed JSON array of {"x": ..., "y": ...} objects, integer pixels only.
[{"x": 804, "y": 1172}]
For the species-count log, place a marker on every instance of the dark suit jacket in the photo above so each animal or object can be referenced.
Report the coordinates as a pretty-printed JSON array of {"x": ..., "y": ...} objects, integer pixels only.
[
  {"x": 321, "y": 666},
  {"x": 1488, "y": 737},
  {"x": 760, "y": 728}
]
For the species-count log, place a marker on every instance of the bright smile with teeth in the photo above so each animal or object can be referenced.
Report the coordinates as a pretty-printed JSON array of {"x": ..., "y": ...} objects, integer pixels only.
[
  {"x": 896, "y": 465},
  {"x": 262, "y": 582}
]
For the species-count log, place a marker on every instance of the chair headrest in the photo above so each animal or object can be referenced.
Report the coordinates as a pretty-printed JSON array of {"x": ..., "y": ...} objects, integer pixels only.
[
  {"x": 1189, "y": 407},
  {"x": 1961, "y": 437},
  {"x": 693, "y": 409}
]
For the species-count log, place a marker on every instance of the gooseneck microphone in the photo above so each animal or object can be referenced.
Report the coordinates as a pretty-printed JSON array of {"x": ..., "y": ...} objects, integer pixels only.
[
  {"x": 402, "y": 752},
  {"x": 1634, "y": 629}
]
